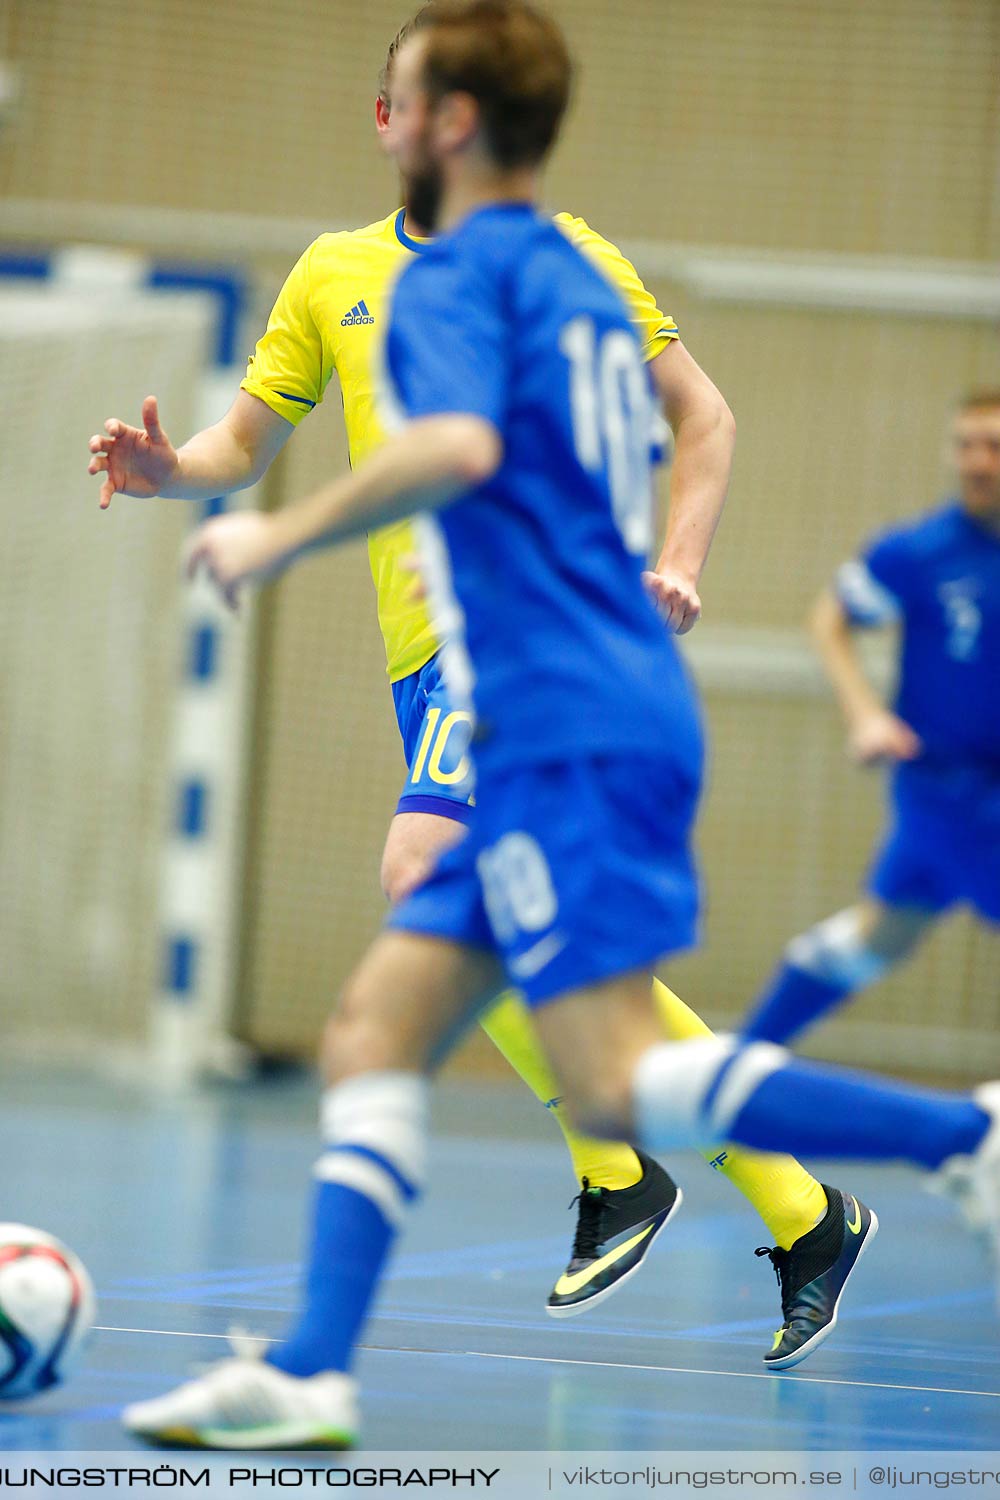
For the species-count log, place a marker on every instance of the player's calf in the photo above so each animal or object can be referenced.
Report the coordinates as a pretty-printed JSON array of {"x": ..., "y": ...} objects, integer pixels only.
[
  {"x": 600, "y": 1106},
  {"x": 594, "y": 1037}
]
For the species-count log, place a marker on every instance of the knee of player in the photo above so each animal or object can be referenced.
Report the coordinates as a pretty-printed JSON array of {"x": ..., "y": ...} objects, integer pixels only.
[
  {"x": 354, "y": 1040},
  {"x": 402, "y": 871},
  {"x": 840, "y": 951}
]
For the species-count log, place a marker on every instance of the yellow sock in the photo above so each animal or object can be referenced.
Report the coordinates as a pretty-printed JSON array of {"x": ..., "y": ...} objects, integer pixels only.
[
  {"x": 608, "y": 1164},
  {"x": 788, "y": 1199}
]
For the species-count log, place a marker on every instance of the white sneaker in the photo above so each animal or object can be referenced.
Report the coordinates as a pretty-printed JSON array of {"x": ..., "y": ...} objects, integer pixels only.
[
  {"x": 974, "y": 1181},
  {"x": 244, "y": 1404}
]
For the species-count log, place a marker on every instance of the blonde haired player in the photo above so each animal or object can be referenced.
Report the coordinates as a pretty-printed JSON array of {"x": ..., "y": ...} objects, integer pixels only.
[{"x": 328, "y": 320}]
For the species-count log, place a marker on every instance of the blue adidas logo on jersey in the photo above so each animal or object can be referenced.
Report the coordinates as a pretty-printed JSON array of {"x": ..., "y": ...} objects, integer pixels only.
[{"x": 358, "y": 314}]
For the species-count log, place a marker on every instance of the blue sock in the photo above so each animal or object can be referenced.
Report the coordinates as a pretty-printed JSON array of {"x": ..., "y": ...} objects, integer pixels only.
[
  {"x": 792, "y": 1000},
  {"x": 369, "y": 1174},
  {"x": 809, "y": 1109},
  {"x": 758, "y": 1095}
]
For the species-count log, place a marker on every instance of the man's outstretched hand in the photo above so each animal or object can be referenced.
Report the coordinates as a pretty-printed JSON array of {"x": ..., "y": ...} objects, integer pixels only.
[{"x": 134, "y": 460}]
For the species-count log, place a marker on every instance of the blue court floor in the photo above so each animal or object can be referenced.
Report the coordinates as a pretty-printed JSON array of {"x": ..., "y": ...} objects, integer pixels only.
[{"x": 190, "y": 1216}]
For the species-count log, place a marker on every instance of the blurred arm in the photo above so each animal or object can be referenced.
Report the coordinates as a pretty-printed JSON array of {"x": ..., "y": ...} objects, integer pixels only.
[
  {"x": 422, "y": 467},
  {"x": 874, "y": 732}
]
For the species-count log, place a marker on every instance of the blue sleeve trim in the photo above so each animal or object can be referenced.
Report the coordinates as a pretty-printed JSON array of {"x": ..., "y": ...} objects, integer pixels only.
[
  {"x": 440, "y": 807},
  {"x": 302, "y": 400}
]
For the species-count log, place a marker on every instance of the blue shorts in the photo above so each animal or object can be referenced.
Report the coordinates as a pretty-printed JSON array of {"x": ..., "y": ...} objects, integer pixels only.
[
  {"x": 573, "y": 872},
  {"x": 440, "y": 777},
  {"x": 943, "y": 844}
]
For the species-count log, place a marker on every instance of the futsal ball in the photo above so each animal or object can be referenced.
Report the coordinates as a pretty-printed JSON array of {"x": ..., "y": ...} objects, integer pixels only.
[{"x": 47, "y": 1309}]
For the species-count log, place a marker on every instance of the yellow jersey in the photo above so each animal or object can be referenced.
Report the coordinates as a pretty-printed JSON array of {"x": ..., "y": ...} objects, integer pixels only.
[{"x": 329, "y": 315}]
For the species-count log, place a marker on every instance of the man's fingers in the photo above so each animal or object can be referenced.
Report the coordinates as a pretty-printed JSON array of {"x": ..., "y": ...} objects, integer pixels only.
[
  {"x": 200, "y": 557},
  {"x": 692, "y": 614},
  {"x": 678, "y": 611},
  {"x": 114, "y": 427},
  {"x": 98, "y": 465},
  {"x": 197, "y": 554},
  {"x": 100, "y": 444},
  {"x": 151, "y": 420},
  {"x": 107, "y": 490}
]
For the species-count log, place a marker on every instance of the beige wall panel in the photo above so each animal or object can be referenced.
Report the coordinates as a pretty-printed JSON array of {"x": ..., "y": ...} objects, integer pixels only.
[
  {"x": 234, "y": 105},
  {"x": 859, "y": 125},
  {"x": 866, "y": 125},
  {"x": 840, "y": 428}
]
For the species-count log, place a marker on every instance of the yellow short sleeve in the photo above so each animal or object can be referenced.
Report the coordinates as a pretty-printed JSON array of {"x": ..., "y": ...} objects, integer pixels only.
[
  {"x": 286, "y": 370},
  {"x": 655, "y": 329}
]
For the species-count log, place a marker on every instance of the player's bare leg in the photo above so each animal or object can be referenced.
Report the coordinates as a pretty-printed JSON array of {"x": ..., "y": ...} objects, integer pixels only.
[
  {"x": 408, "y": 997},
  {"x": 830, "y": 962},
  {"x": 891, "y": 933},
  {"x": 414, "y": 844}
]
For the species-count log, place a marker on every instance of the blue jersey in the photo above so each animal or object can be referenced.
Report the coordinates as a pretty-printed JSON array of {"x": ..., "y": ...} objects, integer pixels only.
[
  {"x": 535, "y": 575},
  {"x": 940, "y": 578}
]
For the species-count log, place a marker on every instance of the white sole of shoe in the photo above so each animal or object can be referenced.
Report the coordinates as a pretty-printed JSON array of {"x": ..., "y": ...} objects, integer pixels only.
[
  {"x": 811, "y": 1345},
  {"x": 277, "y": 1438},
  {"x": 574, "y": 1309}
]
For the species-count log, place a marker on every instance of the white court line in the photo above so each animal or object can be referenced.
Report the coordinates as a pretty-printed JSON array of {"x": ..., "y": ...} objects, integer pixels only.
[
  {"x": 873, "y": 1385},
  {"x": 173, "y": 1333},
  {"x": 595, "y": 1364}
]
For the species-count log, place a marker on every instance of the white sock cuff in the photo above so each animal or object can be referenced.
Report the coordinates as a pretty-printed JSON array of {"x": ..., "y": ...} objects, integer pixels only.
[
  {"x": 751, "y": 1065},
  {"x": 837, "y": 952},
  {"x": 383, "y": 1112},
  {"x": 672, "y": 1080}
]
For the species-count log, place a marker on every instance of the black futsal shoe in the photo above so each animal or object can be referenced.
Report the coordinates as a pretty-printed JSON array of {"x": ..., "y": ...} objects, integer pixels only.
[
  {"x": 812, "y": 1276},
  {"x": 614, "y": 1231}
]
